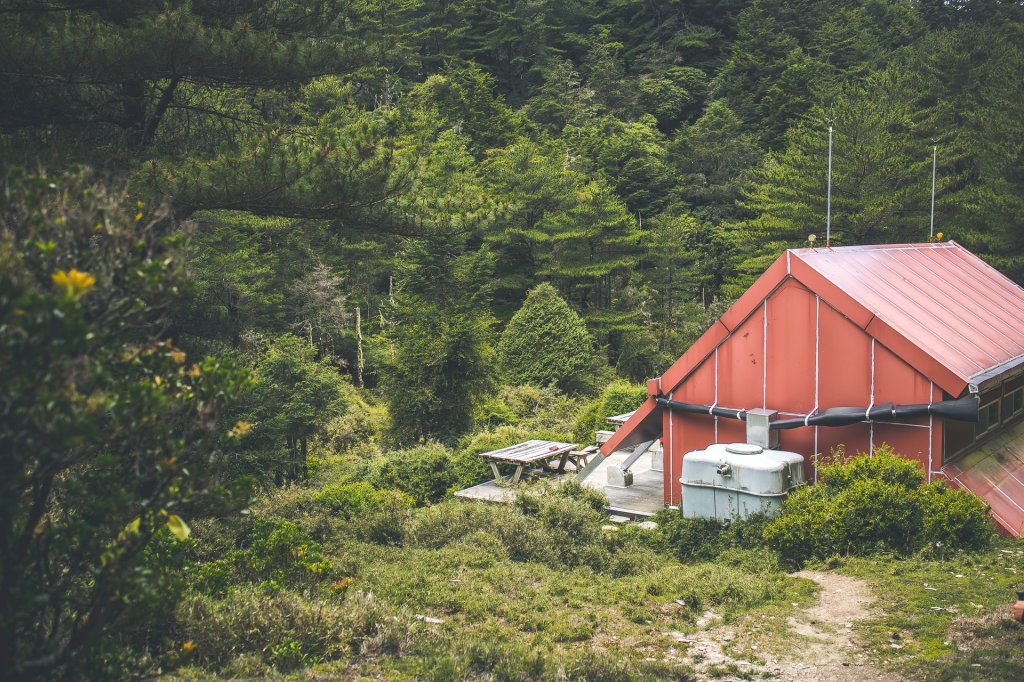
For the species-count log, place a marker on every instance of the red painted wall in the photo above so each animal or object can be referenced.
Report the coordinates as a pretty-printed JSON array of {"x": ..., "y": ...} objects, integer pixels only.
[{"x": 794, "y": 352}]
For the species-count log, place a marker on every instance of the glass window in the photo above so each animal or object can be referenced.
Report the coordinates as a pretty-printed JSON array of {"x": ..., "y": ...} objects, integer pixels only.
[
  {"x": 1018, "y": 401},
  {"x": 988, "y": 418}
]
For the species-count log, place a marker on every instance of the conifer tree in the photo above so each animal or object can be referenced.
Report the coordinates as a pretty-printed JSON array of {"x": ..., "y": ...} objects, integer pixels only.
[{"x": 545, "y": 343}]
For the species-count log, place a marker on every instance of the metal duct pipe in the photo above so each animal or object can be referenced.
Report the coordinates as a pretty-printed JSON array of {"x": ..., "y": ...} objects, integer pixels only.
[
  {"x": 962, "y": 409},
  {"x": 694, "y": 408}
]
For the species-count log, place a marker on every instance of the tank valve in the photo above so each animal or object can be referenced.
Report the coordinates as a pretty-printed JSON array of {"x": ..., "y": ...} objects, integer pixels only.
[
  {"x": 724, "y": 469},
  {"x": 1018, "y": 608}
]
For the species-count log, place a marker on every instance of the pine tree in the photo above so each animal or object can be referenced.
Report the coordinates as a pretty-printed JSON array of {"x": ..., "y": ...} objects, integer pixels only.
[{"x": 545, "y": 343}]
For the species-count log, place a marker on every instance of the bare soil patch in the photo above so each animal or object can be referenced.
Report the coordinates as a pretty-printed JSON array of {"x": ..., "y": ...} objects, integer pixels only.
[{"x": 816, "y": 643}]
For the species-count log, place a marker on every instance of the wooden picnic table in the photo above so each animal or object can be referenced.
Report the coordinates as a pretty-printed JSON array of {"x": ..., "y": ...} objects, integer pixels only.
[
  {"x": 536, "y": 453},
  {"x": 619, "y": 419}
]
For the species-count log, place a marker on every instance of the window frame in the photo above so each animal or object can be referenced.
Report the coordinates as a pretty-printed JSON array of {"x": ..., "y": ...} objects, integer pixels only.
[{"x": 984, "y": 410}]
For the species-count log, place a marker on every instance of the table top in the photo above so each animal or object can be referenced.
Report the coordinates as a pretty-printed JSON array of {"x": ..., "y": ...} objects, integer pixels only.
[{"x": 530, "y": 451}]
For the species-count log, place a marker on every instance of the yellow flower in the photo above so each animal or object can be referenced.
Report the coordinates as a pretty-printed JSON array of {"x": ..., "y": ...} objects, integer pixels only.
[
  {"x": 342, "y": 584},
  {"x": 241, "y": 428},
  {"x": 178, "y": 356},
  {"x": 188, "y": 646},
  {"x": 138, "y": 216},
  {"x": 73, "y": 282}
]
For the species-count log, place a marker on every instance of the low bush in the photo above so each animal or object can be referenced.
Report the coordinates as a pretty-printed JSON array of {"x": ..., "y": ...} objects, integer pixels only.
[
  {"x": 288, "y": 630},
  {"x": 696, "y": 539},
  {"x": 363, "y": 421},
  {"x": 953, "y": 519},
  {"x": 571, "y": 518},
  {"x": 877, "y": 503},
  {"x": 424, "y": 472}
]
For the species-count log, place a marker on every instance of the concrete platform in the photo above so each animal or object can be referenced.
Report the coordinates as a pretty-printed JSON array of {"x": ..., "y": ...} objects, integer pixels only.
[{"x": 642, "y": 499}]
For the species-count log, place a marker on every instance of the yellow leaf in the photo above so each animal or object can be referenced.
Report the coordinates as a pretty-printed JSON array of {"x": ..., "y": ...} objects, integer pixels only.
[
  {"x": 178, "y": 527},
  {"x": 133, "y": 527}
]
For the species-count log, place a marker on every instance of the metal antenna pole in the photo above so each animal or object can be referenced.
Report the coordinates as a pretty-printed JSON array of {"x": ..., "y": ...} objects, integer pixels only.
[
  {"x": 935, "y": 158},
  {"x": 828, "y": 214}
]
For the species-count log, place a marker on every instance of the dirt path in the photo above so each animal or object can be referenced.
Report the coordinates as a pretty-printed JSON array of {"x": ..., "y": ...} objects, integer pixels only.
[{"x": 818, "y": 642}]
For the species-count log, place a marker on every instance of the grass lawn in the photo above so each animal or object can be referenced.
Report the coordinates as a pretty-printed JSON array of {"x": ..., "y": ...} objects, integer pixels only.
[{"x": 950, "y": 619}]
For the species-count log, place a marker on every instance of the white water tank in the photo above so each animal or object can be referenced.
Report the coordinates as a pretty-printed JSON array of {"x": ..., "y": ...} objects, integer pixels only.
[{"x": 737, "y": 480}]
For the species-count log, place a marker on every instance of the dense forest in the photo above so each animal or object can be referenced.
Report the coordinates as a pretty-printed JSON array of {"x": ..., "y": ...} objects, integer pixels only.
[{"x": 245, "y": 241}]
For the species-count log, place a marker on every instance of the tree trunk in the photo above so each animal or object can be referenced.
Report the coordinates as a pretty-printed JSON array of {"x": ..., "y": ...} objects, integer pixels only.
[{"x": 359, "y": 347}]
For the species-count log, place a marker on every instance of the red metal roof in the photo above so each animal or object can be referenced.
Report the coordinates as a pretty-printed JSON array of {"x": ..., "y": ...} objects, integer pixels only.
[
  {"x": 935, "y": 300},
  {"x": 995, "y": 473},
  {"x": 940, "y": 308}
]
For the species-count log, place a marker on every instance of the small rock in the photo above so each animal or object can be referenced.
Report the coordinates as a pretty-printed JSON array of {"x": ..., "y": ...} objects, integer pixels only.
[
  {"x": 428, "y": 619},
  {"x": 647, "y": 525}
]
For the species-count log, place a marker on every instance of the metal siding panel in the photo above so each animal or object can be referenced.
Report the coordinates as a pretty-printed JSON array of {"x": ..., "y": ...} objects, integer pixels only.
[
  {"x": 800, "y": 441},
  {"x": 741, "y": 376},
  {"x": 699, "y": 386},
  {"x": 908, "y": 441},
  {"x": 924, "y": 362},
  {"x": 896, "y": 381},
  {"x": 844, "y": 362},
  {"x": 694, "y": 356},
  {"x": 791, "y": 320},
  {"x": 854, "y": 439},
  {"x": 834, "y": 295},
  {"x": 941, "y": 300},
  {"x": 758, "y": 291},
  {"x": 690, "y": 432}
]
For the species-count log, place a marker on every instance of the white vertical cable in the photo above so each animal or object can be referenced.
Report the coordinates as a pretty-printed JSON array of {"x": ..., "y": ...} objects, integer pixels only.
[
  {"x": 931, "y": 398},
  {"x": 871, "y": 424},
  {"x": 764, "y": 360},
  {"x": 671, "y": 456},
  {"x": 716, "y": 392},
  {"x": 817, "y": 337}
]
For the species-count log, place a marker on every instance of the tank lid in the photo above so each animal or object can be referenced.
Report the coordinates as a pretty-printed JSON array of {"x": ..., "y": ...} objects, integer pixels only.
[{"x": 744, "y": 449}]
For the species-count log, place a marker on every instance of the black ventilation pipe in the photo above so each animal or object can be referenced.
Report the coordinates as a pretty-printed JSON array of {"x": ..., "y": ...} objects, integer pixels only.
[{"x": 962, "y": 409}]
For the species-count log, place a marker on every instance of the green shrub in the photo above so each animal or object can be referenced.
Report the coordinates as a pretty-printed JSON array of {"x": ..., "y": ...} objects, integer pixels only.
[
  {"x": 279, "y": 552},
  {"x": 384, "y": 520},
  {"x": 376, "y": 515},
  {"x": 572, "y": 520},
  {"x": 362, "y": 422},
  {"x": 423, "y": 472},
  {"x": 544, "y": 526},
  {"x": 287, "y": 630},
  {"x": 617, "y": 398},
  {"x": 546, "y": 343},
  {"x": 954, "y": 520},
  {"x": 702, "y": 539},
  {"x": 884, "y": 465},
  {"x": 876, "y": 504}
]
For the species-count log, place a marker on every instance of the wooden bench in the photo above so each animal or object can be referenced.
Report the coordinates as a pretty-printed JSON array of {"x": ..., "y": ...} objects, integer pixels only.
[{"x": 539, "y": 453}]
